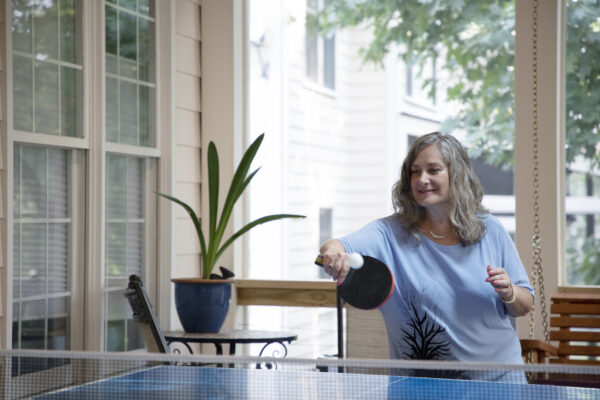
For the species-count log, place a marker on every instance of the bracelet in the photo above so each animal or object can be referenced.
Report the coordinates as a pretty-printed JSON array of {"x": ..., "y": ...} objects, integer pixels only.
[{"x": 512, "y": 298}]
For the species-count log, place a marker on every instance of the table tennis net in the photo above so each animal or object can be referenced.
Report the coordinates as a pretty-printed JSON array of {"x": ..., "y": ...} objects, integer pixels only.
[{"x": 82, "y": 375}]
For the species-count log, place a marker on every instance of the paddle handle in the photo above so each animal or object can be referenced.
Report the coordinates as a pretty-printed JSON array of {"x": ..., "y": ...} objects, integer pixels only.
[{"x": 356, "y": 260}]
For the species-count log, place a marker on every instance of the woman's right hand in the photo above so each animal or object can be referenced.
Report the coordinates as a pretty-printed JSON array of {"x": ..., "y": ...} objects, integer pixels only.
[{"x": 336, "y": 262}]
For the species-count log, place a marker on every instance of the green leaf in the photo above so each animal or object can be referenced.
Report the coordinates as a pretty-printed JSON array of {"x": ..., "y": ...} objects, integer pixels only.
[
  {"x": 213, "y": 188},
  {"x": 238, "y": 183},
  {"x": 195, "y": 220}
]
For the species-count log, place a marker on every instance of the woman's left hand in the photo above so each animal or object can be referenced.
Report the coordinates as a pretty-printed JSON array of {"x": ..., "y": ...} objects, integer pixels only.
[
  {"x": 518, "y": 300},
  {"x": 500, "y": 280}
]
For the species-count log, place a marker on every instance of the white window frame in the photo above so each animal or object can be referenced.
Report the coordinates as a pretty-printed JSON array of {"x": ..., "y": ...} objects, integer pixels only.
[
  {"x": 319, "y": 84},
  {"x": 416, "y": 76}
]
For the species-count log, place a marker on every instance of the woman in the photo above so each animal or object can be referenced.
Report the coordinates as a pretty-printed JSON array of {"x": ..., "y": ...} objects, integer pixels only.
[{"x": 459, "y": 280}]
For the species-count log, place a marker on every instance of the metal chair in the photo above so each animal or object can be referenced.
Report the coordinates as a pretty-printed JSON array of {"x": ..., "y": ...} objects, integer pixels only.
[{"x": 144, "y": 316}]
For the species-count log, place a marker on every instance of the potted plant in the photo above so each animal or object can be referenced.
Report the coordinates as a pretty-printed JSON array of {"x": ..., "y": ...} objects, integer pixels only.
[{"x": 202, "y": 303}]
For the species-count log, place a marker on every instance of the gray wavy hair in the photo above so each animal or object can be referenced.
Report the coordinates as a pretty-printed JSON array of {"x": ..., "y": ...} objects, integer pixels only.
[{"x": 466, "y": 192}]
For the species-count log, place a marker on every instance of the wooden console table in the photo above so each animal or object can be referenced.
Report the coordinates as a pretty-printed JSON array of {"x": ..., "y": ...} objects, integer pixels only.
[{"x": 322, "y": 293}]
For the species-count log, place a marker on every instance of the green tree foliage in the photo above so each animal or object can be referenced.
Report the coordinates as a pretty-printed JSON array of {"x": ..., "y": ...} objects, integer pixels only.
[
  {"x": 474, "y": 42},
  {"x": 583, "y": 260},
  {"x": 583, "y": 80}
]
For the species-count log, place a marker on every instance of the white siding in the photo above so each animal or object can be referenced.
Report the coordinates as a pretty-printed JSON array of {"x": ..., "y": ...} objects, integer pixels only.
[{"x": 187, "y": 153}]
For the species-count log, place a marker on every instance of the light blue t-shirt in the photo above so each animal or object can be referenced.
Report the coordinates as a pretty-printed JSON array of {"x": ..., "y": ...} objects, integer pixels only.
[{"x": 442, "y": 308}]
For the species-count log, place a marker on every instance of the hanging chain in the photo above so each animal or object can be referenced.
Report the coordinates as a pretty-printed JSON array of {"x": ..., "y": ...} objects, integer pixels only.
[{"x": 537, "y": 272}]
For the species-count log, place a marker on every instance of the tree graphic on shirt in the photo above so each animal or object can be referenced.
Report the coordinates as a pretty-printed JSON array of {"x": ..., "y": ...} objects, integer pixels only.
[{"x": 426, "y": 340}]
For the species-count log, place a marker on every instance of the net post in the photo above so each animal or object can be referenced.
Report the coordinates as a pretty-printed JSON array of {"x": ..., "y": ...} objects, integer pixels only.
[{"x": 340, "y": 326}]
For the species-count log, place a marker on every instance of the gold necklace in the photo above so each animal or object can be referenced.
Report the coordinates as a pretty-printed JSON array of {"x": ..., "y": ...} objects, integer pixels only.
[{"x": 438, "y": 237}]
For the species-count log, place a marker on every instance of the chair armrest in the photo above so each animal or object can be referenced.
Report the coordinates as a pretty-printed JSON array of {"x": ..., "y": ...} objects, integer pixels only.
[{"x": 540, "y": 349}]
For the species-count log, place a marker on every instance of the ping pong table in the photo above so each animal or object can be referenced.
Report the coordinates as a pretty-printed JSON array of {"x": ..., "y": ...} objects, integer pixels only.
[{"x": 190, "y": 382}]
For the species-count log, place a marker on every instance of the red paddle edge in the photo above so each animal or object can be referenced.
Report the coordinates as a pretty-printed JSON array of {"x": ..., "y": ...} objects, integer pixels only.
[
  {"x": 389, "y": 294},
  {"x": 391, "y": 291}
]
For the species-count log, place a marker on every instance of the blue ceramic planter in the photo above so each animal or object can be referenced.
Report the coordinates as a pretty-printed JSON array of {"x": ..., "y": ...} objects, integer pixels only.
[{"x": 202, "y": 304}]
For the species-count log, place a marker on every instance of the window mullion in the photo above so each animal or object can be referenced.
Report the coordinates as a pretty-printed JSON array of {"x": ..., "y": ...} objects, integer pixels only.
[
  {"x": 33, "y": 80},
  {"x": 20, "y": 323},
  {"x": 137, "y": 86},
  {"x": 60, "y": 99},
  {"x": 47, "y": 248},
  {"x": 118, "y": 78},
  {"x": 93, "y": 179}
]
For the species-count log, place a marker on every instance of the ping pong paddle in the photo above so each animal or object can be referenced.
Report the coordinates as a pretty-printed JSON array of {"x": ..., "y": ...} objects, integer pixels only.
[{"x": 369, "y": 283}]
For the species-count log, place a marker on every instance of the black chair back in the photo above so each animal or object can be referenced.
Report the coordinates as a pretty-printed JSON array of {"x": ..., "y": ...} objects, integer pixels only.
[{"x": 144, "y": 316}]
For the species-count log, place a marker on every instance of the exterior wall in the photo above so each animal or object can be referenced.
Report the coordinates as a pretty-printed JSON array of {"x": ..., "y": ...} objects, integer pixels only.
[
  {"x": 186, "y": 138},
  {"x": 187, "y": 134}
]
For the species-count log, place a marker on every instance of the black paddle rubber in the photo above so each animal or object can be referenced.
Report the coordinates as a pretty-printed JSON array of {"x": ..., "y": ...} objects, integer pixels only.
[{"x": 367, "y": 287}]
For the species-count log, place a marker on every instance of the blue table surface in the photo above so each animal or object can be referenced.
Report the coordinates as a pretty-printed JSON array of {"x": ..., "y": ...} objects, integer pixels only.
[{"x": 187, "y": 382}]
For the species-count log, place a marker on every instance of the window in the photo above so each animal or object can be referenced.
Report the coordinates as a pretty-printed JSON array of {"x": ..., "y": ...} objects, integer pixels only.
[
  {"x": 582, "y": 128},
  {"x": 125, "y": 246},
  {"x": 47, "y": 67},
  {"x": 130, "y": 82},
  {"x": 47, "y": 82},
  {"x": 130, "y": 98},
  {"x": 416, "y": 80},
  {"x": 52, "y": 185},
  {"x": 583, "y": 226},
  {"x": 42, "y": 260},
  {"x": 320, "y": 51}
]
